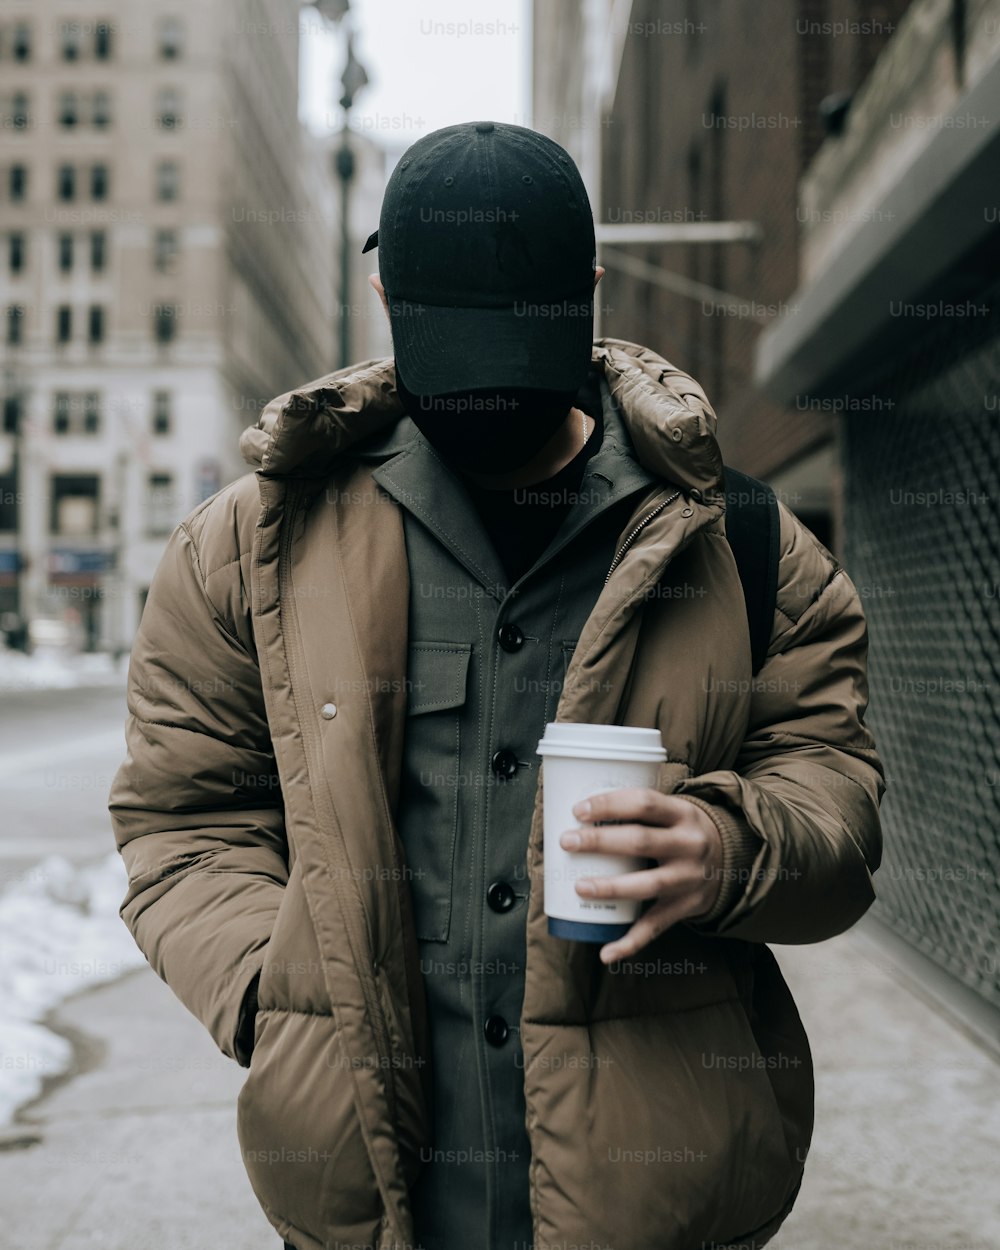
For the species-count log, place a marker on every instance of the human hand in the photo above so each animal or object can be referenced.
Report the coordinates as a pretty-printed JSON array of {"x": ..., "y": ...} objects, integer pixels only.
[{"x": 679, "y": 835}]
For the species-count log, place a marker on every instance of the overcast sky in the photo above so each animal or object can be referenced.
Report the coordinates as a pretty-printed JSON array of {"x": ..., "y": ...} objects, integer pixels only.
[{"x": 426, "y": 67}]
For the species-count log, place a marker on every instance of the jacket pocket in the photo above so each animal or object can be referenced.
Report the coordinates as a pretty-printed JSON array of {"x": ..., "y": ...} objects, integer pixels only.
[
  {"x": 679, "y": 1114},
  {"x": 292, "y": 970},
  {"x": 568, "y": 647},
  {"x": 429, "y": 792},
  {"x": 300, "y": 1137}
]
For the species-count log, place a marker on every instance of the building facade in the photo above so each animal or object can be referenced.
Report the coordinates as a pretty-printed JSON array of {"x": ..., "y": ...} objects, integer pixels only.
[
  {"x": 898, "y": 330},
  {"x": 857, "y": 365},
  {"x": 685, "y": 113},
  {"x": 166, "y": 267}
]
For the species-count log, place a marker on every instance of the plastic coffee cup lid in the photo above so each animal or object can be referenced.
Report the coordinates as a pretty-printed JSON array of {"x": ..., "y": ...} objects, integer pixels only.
[{"x": 603, "y": 742}]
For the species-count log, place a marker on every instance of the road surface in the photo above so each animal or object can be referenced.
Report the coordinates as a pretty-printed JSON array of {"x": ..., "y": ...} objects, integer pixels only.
[{"x": 59, "y": 750}]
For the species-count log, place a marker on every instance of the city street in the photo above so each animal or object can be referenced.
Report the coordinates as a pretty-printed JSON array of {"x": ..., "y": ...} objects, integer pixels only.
[
  {"x": 710, "y": 310},
  {"x": 135, "y": 1148},
  {"x": 58, "y": 753}
]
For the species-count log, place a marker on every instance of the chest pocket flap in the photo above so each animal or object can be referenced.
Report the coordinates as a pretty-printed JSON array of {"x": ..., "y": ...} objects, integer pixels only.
[{"x": 436, "y": 676}]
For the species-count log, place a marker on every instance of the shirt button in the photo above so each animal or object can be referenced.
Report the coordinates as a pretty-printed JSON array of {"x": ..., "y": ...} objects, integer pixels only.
[
  {"x": 504, "y": 764},
  {"x": 496, "y": 1030},
  {"x": 501, "y": 896},
  {"x": 328, "y": 711},
  {"x": 510, "y": 637}
]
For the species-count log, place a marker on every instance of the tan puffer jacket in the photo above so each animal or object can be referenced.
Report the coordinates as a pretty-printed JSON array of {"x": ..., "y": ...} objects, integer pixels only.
[{"x": 258, "y": 833}]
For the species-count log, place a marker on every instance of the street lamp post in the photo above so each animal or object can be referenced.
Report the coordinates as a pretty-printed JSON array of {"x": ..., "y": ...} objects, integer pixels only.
[
  {"x": 351, "y": 82},
  {"x": 344, "y": 164}
]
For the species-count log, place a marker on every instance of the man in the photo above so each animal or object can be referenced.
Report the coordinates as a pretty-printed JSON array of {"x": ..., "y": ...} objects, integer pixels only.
[{"x": 331, "y": 808}]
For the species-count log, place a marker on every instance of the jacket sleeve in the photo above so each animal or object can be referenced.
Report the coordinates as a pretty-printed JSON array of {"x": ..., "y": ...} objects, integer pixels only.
[
  {"x": 798, "y": 813},
  {"x": 196, "y": 808}
]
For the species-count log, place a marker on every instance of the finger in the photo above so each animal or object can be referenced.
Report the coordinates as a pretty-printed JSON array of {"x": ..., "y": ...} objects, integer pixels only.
[
  {"x": 656, "y": 920},
  {"x": 650, "y": 883},
  {"x": 638, "y": 803},
  {"x": 645, "y": 841}
]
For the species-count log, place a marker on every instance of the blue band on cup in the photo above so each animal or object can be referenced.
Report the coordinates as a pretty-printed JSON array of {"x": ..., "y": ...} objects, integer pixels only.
[{"x": 583, "y": 931}]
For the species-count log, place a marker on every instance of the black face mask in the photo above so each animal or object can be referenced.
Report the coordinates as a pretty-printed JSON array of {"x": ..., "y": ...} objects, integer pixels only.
[{"x": 492, "y": 430}]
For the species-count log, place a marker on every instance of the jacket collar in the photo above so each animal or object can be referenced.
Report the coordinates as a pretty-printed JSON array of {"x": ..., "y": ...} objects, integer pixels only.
[
  {"x": 306, "y": 432},
  {"x": 410, "y": 470}
]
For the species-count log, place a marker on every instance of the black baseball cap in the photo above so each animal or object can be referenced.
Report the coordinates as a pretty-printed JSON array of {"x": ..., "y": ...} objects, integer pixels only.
[{"x": 487, "y": 256}]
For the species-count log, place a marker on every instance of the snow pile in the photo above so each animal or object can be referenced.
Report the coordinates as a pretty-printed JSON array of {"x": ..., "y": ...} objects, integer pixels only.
[
  {"x": 54, "y": 669},
  {"x": 61, "y": 933}
]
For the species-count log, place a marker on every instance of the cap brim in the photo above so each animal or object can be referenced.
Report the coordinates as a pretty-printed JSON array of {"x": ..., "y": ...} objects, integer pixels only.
[{"x": 545, "y": 345}]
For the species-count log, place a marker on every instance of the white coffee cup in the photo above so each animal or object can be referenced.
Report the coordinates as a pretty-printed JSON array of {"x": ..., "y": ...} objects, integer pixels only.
[{"x": 580, "y": 761}]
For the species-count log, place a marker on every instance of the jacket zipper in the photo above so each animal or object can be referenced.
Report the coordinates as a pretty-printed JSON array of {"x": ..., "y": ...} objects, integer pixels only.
[
  {"x": 642, "y": 524},
  {"x": 368, "y": 986}
]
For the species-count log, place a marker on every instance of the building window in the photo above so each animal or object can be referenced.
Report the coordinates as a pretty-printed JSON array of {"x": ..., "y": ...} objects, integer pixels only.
[
  {"x": 64, "y": 323},
  {"x": 165, "y": 251},
  {"x": 98, "y": 250},
  {"x": 11, "y": 414},
  {"x": 95, "y": 324},
  {"x": 159, "y": 504},
  {"x": 71, "y": 40},
  {"x": 21, "y": 45},
  {"x": 76, "y": 414},
  {"x": 9, "y": 519},
  {"x": 168, "y": 108},
  {"x": 91, "y": 412},
  {"x": 20, "y": 110},
  {"x": 171, "y": 39},
  {"x": 168, "y": 180},
  {"x": 17, "y": 182},
  {"x": 68, "y": 110},
  {"x": 66, "y": 182},
  {"x": 65, "y": 248},
  {"x": 102, "y": 41},
  {"x": 74, "y": 511},
  {"x": 165, "y": 323},
  {"x": 16, "y": 247},
  {"x": 99, "y": 182},
  {"x": 61, "y": 412},
  {"x": 161, "y": 412},
  {"x": 100, "y": 114},
  {"x": 15, "y": 324}
]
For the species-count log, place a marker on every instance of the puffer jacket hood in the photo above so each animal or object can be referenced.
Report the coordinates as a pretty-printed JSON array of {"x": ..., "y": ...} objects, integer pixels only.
[
  {"x": 255, "y": 813},
  {"x": 670, "y": 421}
]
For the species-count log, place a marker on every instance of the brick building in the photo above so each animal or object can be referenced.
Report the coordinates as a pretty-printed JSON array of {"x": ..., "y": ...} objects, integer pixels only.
[{"x": 685, "y": 112}]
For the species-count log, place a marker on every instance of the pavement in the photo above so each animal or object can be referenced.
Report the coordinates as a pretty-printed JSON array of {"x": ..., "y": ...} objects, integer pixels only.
[
  {"x": 137, "y": 1149},
  {"x": 907, "y": 1136}
]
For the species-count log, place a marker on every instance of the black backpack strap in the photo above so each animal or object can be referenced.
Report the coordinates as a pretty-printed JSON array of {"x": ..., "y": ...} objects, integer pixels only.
[{"x": 753, "y": 530}]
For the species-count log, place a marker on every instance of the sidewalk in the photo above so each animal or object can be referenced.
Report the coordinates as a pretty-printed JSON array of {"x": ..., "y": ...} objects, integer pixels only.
[
  {"x": 139, "y": 1152},
  {"x": 907, "y": 1136}
]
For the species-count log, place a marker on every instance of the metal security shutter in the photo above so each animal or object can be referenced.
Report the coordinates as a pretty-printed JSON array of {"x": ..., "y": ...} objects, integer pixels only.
[{"x": 922, "y": 542}]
